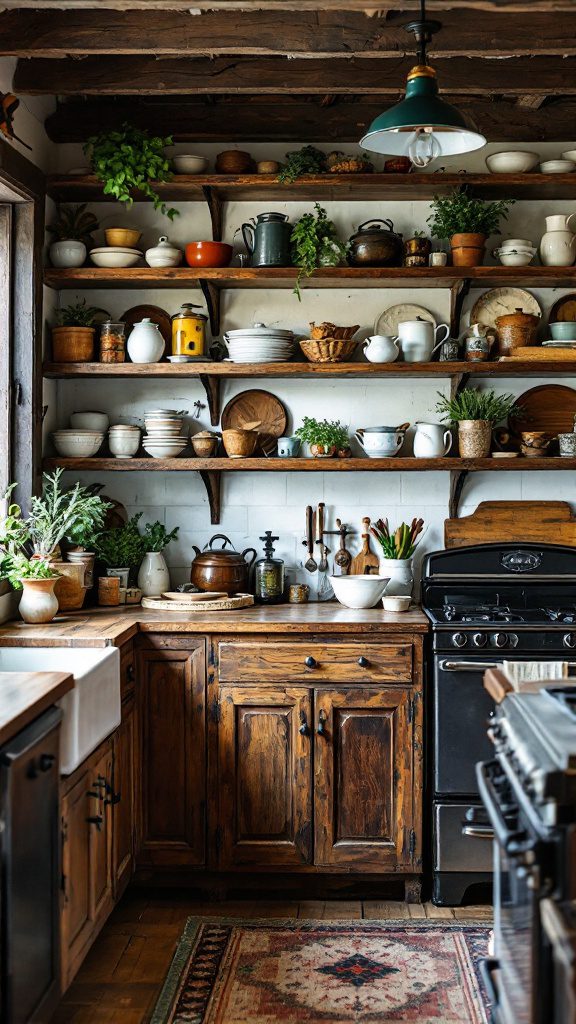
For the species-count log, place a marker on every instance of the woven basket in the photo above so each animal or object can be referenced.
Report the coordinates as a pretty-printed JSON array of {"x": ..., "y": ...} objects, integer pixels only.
[
  {"x": 328, "y": 350},
  {"x": 331, "y": 331}
]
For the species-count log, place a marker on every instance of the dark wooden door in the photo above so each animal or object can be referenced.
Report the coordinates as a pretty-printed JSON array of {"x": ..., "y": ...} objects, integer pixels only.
[
  {"x": 363, "y": 773},
  {"x": 123, "y": 806},
  {"x": 101, "y": 836},
  {"x": 172, "y": 745},
  {"x": 264, "y": 776}
]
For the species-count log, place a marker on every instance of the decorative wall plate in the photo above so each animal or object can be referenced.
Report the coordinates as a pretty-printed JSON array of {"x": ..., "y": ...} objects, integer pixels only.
[
  {"x": 563, "y": 309},
  {"x": 387, "y": 321},
  {"x": 500, "y": 301}
]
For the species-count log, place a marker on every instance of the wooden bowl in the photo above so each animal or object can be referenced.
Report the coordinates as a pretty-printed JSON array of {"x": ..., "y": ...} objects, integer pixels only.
[
  {"x": 239, "y": 444},
  {"x": 208, "y": 254},
  {"x": 328, "y": 350},
  {"x": 327, "y": 330},
  {"x": 205, "y": 445},
  {"x": 126, "y": 237},
  {"x": 234, "y": 161}
]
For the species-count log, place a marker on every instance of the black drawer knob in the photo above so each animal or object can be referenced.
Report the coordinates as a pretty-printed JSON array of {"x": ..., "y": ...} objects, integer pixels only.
[
  {"x": 303, "y": 730},
  {"x": 363, "y": 662},
  {"x": 310, "y": 662},
  {"x": 321, "y": 727}
]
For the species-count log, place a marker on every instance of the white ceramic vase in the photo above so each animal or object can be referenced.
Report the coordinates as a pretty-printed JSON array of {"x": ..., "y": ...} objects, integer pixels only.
[
  {"x": 38, "y": 602},
  {"x": 153, "y": 577},
  {"x": 145, "y": 343},
  {"x": 68, "y": 253},
  {"x": 401, "y": 576},
  {"x": 558, "y": 244}
]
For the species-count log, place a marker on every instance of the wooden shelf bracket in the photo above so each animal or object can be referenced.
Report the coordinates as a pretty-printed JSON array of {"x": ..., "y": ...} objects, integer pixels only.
[
  {"x": 212, "y": 295},
  {"x": 211, "y": 386},
  {"x": 457, "y": 481},
  {"x": 211, "y": 480},
  {"x": 214, "y": 202},
  {"x": 458, "y": 292}
]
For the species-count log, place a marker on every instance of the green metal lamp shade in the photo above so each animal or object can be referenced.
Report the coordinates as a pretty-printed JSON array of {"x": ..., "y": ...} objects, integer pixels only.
[{"x": 421, "y": 108}]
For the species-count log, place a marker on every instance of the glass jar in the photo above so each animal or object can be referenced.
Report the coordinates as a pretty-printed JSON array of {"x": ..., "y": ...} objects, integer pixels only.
[
  {"x": 112, "y": 343},
  {"x": 269, "y": 574}
]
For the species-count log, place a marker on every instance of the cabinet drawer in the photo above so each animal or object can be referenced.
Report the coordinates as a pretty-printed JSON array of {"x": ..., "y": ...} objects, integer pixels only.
[{"x": 315, "y": 661}]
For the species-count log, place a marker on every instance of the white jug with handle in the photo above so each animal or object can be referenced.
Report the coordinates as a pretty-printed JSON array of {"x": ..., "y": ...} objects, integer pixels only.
[
  {"x": 558, "y": 244},
  {"x": 381, "y": 348},
  {"x": 431, "y": 441},
  {"x": 419, "y": 338}
]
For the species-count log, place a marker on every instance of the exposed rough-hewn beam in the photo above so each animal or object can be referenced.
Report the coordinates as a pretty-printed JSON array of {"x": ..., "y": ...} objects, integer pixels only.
[
  {"x": 380, "y": 6},
  {"x": 266, "y": 118},
  {"x": 101, "y": 76},
  {"x": 309, "y": 34}
]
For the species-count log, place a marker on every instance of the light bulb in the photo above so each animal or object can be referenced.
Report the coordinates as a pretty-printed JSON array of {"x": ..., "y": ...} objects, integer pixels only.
[{"x": 423, "y": 147}]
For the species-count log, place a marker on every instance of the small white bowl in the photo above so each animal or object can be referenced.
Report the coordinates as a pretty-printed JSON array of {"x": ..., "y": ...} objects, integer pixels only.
[
  {"x": 557, "y": 166},
  {"x": 113, "y": 258},
  {"x": 517, "y": 243},
  {"x": 396, "y": 603},
  {"x": 515, "y": 258},
  {"x": 359, "y": 591},
  {"x": 511, "y": 161},
  {"x": 123, "y": 446},
  {"x": 186, "y": 163},
  {"x": 570, "y": 154},
  {"x": 159, "y": 451},
  {"x": 90, "y": 421},
  {"x": 73, "y": 444}
]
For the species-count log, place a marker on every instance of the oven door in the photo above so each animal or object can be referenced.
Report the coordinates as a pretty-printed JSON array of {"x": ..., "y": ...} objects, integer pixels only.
[{"x": 460, "y": 713}]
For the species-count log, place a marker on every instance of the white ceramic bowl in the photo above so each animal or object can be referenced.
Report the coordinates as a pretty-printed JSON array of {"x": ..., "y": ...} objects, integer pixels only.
[
  {"x": 570, "y": 154},
  {"x": 74, "y": 444},
  {"x": 121, "y": 428},
  {"x": 396, "y": 603},
  {"x": 518, "y": 258},
  {"x": 163, "y": 451},
  {"x": 511, "y": 161},
  {"x": 114, "y": 258},
  {"x": 517, "y": 243},
  {"x": 557, "y": 166},
  {"x": 186, "y": 163},
  {"x": 123, "y": 445},
  {"x": 359, "y": 591},
  {"x": 90, "y": 421}
]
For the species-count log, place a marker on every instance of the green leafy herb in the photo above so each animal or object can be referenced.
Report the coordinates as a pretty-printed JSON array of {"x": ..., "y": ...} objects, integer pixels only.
[
  {"x": 329, "y": 433},
  {"x": 123, "y": 546},
  {"x": 80, "y": 315},
  {"x": 17, "y": 567},
  {"x": 307, "y": 160},
  {"x": 156, "y": 537},
  {"x": 74, "y": 222},
  {"x": 315, "y": 243},
  {"x": 59, "y": 513},
  {"x": 127, "y": 161},
  {"x": 398, "y": 543},
  {"x": 472, "y": 404},
  {"x": 459, "y": 213}
]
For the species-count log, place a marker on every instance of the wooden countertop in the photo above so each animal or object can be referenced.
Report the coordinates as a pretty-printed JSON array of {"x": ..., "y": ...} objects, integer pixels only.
[
  {"x": 102, "y": 627},
  {"x": 25, "y": 695}
]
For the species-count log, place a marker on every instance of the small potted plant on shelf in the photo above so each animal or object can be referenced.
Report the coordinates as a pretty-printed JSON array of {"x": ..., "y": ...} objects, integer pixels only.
[
  {"x": 308, "y": 160},
  {"x": 83, "y": 534},
  {"x": 398, "y": 547},
  {"x": 325, "y": 438},
  {"x": 129, "y": 161},
  {"x": 72, "y": 231},
  {"x": 153, "y": 577},
  {"x": 467, "y": 223},
  {"x": 476, "y": 413},
  {"x": 315, "y": 243},
  {"x": 121, "y": 549},
  {"x": 73, "y": 335}
]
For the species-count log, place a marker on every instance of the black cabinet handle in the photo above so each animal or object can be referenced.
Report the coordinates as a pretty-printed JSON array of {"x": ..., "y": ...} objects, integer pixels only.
[
  {"x": 303, "y": 730},
  {"x": 321, "y": 727},
  {"x": 363, "y": 662},
  {"x": 46, "y": 762},
  {"x": 310, "y": 662},
  {"x": 130, "y": 673},
  {"x": 113, "y": 799},
  {"x": 97, "y": 820}
]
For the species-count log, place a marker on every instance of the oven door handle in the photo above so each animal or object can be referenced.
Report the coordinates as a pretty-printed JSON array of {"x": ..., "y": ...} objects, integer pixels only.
[
  {"x": 478, "y": 831},
  {"x": 512, "y": 842},
  {"x": 467, "y": 666}
]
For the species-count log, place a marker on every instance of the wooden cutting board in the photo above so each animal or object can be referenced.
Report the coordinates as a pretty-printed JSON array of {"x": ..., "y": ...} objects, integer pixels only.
[
  {"x": 261, "y": 407},
  {"x": 543, "y": 354},
  {"x": 219, "y": 605},
  {"x": 365, "y": 562},
  {"x": 548, "y": 407},
  {"x": 541, "y": 521}
]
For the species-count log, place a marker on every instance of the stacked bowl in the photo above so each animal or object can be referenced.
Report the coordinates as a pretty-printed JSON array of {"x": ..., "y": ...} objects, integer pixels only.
[
  {"x": 124, "y": 441},
  {"x": 260, "y": 344},
  {"x": 115, "y": 257},
  {"x": 165, "y": 436},
  {"x": 77, "y": 444},
  {"x": 515, "y": 252}
]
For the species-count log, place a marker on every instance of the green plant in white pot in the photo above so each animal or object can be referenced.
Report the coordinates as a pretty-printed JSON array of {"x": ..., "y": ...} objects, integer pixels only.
[
  {"x": 153, "y": 576},
  {"x": 398, "y": 547},
  {"x": 476, "y": 413},
  {"x": 34, "y": 575},
  {"x": 121, "y": 549}
]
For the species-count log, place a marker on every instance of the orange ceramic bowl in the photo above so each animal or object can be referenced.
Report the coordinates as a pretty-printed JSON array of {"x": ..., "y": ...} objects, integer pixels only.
[{"x": 208, "y": 254}]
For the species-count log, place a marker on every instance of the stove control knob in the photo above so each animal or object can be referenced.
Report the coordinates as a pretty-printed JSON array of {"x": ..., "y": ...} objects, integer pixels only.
[
  {"x": 500, "y": 639},
  {"x": 479, "y": 639},
  {"x": 459, "y": 639},
  {"x": 569, "y": 640},
  {"x": 513, "y": 639}
]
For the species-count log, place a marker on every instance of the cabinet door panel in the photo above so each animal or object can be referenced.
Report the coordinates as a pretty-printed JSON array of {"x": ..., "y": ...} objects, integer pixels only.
[
  {"x": 363, "y": 778},
  {"x": 123, "y": 810},
  {"x": 265, "y": 766},
  {"x": 173, "y": 754},
  {"x": 101, "y": 838}
]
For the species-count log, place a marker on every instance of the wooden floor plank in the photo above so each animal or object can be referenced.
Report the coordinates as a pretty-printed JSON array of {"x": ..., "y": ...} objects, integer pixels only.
[
  {"x": 439, "y": 913},
  {"x": 416, "y": 911},
  {"x": 385, "y": 911}
]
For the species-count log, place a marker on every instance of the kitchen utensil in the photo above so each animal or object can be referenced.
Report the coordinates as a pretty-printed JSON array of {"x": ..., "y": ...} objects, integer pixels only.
[
  {"x": 323, "y": 563},
  {"x": 557, "y": 166},
  {"x": 342, "y": 558},
  {"x": 267, "y": 167},
  {"x": 431, "y": 441},
  {"x": 522, "y": 521},
  {"x": 563, "y": 309},
  {"x": 267, "y": 240},
  {"x": 387, "y": 321},
  {"x": 145, "y": 343},
  {"x": 365, "y": 562},
  {"x": 548, "y": 407},
  {"x": 514, "y": 257},
  {"x": 381, "y": 348},
  {"x": 188, "y": 331},
  {"x": 419, "y": 338},
  {"x": 220, "y": 604},
  {"x": 325, "y": 590},
  {"x": 123, "y": 444},
  {"x": 548, "y": 351},
  {"x": 381, "y": 442},
  {"x": 416, "y": 251},
  {"x": 156, "y": 314},
  {"x": 564, "y": 330},
  {"x": 123, "y": 238},
  {"x": 516, "y": 329},
  {"x": 438, "y": 259},
  {"x": 238, "y": 443},
  {"x": 163, "y": 254},
  {"x": 328, "y": 350},
  {"x": 328, "y": 330},
  {"x": 359, "y": 591},
  {"x": 499, "y": 301},
  {"x": 558, "y": 243},
  {"x": 221, "y": 569},
  {"x": 208, "y": 254},
  {"x": 257, "y": 405},
  {"x": 375, "y": 244},
  {"x": 163, "y": 449},
  {"x": 269, "y": 574},
  {"x": 516, "y": 161},
  {"x": 310, "y": 563},
  {"x": 187, "y": 163}
]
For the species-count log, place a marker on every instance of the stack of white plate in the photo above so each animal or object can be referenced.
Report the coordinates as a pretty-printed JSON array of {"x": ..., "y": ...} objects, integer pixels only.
[
  {"x": 260, "y": 344},
  {"x": 165, "y": 434}
]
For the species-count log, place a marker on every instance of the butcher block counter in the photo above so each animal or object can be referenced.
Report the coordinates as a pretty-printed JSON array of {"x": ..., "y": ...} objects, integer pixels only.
[{"x": 25, "y": 695}]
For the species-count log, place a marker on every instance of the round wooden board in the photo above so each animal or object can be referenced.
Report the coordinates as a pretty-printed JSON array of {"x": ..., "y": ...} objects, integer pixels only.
[
  {"x": 548, "y": 407},
  {"x": 223, "y": 604},
  {"x": 563, "y": 310},
  {"x": 157, "y": 315},
  {"x": 253, "y": 406},
  {"x": 190, "y": 598}
]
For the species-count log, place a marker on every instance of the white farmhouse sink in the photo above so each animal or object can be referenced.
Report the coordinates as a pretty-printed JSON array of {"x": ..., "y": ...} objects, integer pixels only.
[{"x": 92, "y": 708}]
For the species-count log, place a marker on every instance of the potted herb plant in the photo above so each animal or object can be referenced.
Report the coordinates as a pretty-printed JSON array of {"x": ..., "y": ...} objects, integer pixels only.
[
  {"x": 307, "y": 160},
  {"x": 476, "y": 413},
  {"x": 72, "y": 231},
  {"x": 35, "y": 576},
  {"x": 398, "y": 547},
  {"x": 128, "y": 161},
  {"x": 467, "y": 223},
  {"x": 73, "y": 335},
  {"x": 90, "y": 522},
  {"x": 121, "y": 549},
  {"x": 315, "y": 243},
  {"x": 153, "y": 577},
  {"x": 325, "y": 438}
]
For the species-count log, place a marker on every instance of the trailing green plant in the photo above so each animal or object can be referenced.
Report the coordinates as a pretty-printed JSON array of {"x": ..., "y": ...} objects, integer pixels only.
[
  {"x": 74, "y": 222},
  {"x": 58, "y": 513},
  {"x": 398, "y": 543},
  {"x": 156, "y": 536},
  {"x": 122, "y": 547},
  {"x": 472, "y": 404},
  {"x": 80, "y": 315},
  {"x": 459, "y": 213},
  {"x": 315, "y": 243},
  {"x": 307, "y": 160},
  {"x": 329, "y": 433},
  {"x": 130, "y": 160}
]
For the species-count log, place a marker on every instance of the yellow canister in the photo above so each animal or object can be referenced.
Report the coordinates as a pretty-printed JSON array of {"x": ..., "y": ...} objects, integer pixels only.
[{"x": 189, "y": 331}]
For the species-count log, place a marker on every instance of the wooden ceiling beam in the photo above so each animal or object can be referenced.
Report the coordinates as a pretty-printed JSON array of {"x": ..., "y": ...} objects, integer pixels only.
[
  {"x": 378, "y": 6},
  {"x": 147, "y": 76},
  {"x": 274, "y": 119},
  {"x": 312, "y": 34}
]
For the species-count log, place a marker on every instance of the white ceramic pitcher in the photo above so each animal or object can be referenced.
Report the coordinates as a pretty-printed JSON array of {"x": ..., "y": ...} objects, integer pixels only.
[
  {"x": 381, "y": 348},
  {"x": 419, "y": 338},
  {"x": 431, "y": 441},
  {"x": 558, "y": 244}
]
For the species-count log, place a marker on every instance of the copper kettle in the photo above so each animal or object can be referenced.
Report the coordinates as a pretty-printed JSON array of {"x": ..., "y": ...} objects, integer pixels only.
[{"x": 220, "y": 569}]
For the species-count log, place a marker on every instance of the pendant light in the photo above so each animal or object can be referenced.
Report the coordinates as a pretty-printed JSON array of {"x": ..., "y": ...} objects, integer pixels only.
[{"x": 422, "y": 126}]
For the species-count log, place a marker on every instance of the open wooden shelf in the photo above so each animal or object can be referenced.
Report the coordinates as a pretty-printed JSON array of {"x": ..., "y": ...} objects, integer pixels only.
[
  {"x": 308, "y": 465},
  {"x": 311, "y": 188}
]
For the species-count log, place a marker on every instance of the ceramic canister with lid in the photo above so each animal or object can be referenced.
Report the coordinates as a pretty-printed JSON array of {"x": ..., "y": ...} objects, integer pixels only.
[
  {"x": 163, "y": 254},
  {"x": 515, "y": 330},
  {"x": 145, "y": 342},
  {"x": 189, "y": 331}
]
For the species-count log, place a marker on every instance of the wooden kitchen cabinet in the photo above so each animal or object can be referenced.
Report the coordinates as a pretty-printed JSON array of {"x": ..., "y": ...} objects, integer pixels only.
[
  {"x": 124, "y": 797},
  {"x": 170, "y": 695}
]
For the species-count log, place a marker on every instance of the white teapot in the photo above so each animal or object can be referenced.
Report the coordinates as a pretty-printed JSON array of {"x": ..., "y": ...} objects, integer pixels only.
[
  {"x": 381, "y": 348},
  {"x": 431, "y": 441}
]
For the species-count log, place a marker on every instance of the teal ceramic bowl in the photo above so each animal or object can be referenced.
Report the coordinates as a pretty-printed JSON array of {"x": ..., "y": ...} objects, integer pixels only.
[{"x": 563, "y": 331}]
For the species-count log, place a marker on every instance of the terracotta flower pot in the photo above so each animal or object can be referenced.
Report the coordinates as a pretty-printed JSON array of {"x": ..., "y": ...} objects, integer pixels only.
[
  {"x": 73, "y": 344},
  {"x": 467, "y": 250},
  {"x": 474, "y": 438},
  {"x": 70, "y": 590}
]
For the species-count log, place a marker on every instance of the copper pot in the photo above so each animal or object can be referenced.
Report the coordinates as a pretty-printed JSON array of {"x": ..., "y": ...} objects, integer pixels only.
[
  {"x": 516, "y": 329},
  {"x": 375, "y": 244},
  {"x": 220, "y": 569}
]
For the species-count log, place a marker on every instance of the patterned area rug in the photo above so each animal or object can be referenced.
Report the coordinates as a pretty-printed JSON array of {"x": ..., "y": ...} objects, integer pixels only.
[{"x": 229, "y": 971}]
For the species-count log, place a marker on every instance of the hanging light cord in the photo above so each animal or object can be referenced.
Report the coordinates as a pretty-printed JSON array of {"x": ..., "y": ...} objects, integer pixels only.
[{"x": 423, "y": 32}]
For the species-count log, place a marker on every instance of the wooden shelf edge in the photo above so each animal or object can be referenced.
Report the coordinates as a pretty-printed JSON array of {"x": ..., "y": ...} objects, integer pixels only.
[{"x": 301, "y": 465}]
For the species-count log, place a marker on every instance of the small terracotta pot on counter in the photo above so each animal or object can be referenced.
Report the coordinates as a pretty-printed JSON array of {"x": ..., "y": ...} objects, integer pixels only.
[
  {"x": 221, "y": 569},
  {"x": 73, "y": 344},
  {"x": 70, "y": 590},
  {"x": 109, "y": 591},
  {"x": 467, "y": 249},
  {"x": 474, "y": 438},
  {"x": 515, "y": 330}
]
